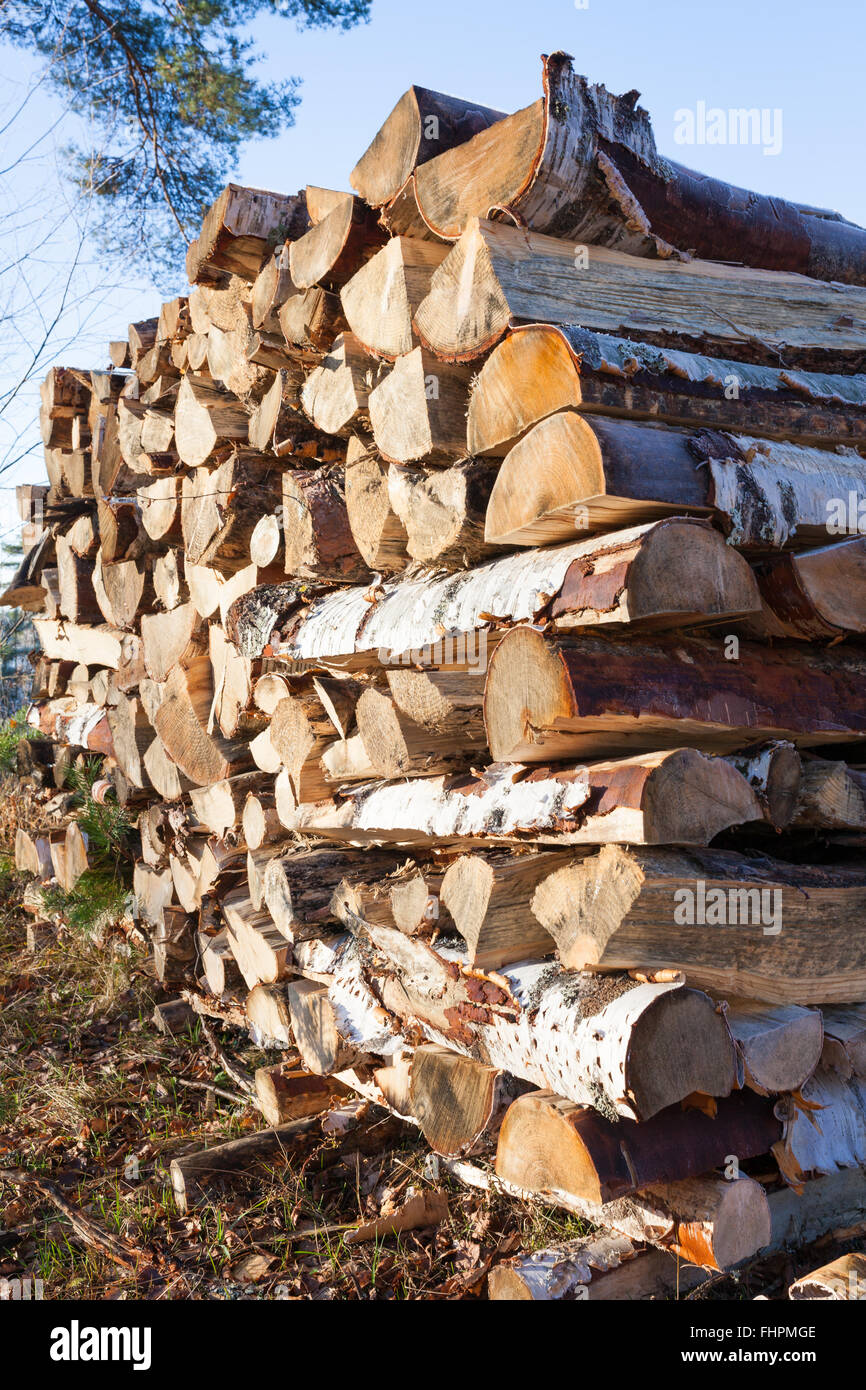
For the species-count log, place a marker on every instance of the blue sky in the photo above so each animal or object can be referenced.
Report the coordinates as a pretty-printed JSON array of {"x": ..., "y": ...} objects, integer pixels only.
[{"x": 803, "y": 60}]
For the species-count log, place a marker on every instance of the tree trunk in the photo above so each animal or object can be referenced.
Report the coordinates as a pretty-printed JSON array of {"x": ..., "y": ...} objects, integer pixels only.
[
  {"x": 498, "y": 276},
  {"x": 539, "y": 369},
  {"x": 751, "y": 927},
  {"x": 586, "y": 695}
]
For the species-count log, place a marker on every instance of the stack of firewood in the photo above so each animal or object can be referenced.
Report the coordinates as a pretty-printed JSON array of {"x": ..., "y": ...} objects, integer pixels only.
[{"x": 464, "y": 584}]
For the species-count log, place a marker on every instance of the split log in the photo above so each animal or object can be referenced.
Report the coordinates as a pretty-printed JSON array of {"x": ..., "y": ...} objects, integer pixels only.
[
  {"x": 775, "y": 774},
  {"x": 581, "y": 473},
  {"x": 459, "y": 1104},
  {"x": 169, "y": 584},
  {"x": 319, "y": 543},
  {"x": 206, "y": 418},
  {"x": 314, "y": 1029},
  {"x": 262, "y": 953},
  {"x": 300, "y": 731},
  {"x": 845, "y": 1039},
  {"x": 446, "y": 622},
  {"x": 266, "y": 541},
  {"x": 397, "y": 745},
  {"x": 171, "y": 639},
  {"x": 539, "y": 369},
  {"x": 174, "y": 948},
  {"x": 757, "y": 928},
  {"x": 487, "y": 898},
  {"x": 274, "y": 421},
  {"x": 181, "y": 722},
  {"x": 336, "y": 395},
  {"x": 817, "y": 595},
  {"x": 832, "y": 796},
  {"x": 312, "y": 319},
  {"x": 442, "y": 512},
  {"x": 267, "y": 1011},
  {"x": 160, "y": 513},
  {"x": 284, "y": 1093},
  {"x": 271, "y": 289},
  {"x": 332, "y": 250},
  {"x": 78, "y": 600},
  {"x": 378, "y": 531},
  {"x": 843, "y": 1280},
  {"x": 221, "y": 508},
  {"x": 498, "y": 276},
  {"x": 122, "y": 589},
  {"x": 780, "y": 1047},
  {"x": 94, "y": 646},
  {"x": 679, "y": 797},
  {"x": 582, "y": 163},
  {"x": 589, "y": 695},
  {"x": 552, "y": 1144},
  {"x": 381, "y": 299},
  {"x": 422, "y": 125},
  {"x": 418, "y": 410},
  {"x": 835, "y": 1138},
  {"x": 237, "y": 232},
  {"x": 306, "y": 890},
  {"x": 131, "y": 736}
]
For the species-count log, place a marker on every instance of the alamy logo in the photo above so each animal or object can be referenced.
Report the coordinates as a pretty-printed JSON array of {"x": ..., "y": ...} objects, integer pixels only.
[
  {"x": 467, "y": 650},
  {"x": 736, "y": 126},
  {"x": 722, "y": 907},
  {"x": 77, "y": 1343},
  {"x": 15, "y": 1290}
]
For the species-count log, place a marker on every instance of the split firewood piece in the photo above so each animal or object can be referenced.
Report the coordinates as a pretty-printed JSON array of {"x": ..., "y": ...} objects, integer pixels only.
[
  {"x": 174, "y": 948},
  {"x": 311, "y": 319},
  {"x": 230, "y": 362},
  {"x": 306, "y": 890},
  {"x": 459, "y": 1104},
  {"x": 286, "y": 1093},
  {"x": 314, "y": 1029},
  {"x": 832, "y": 796},
  {"x": 845, "y": 1039},
  {"x": 266, "y": 542},
  {"x": 345, "y": 760},
  {"x": 265, "y": 755},
  {"x": 78, "y": 600},
  {"x": 816, "y": 1209},
  {"x": 583, "y": 164},
  {"x": 378, "y": 531},
  {"x": 160, "y": 512},
  {"x": 173, "y": 322},
  {"x": 443, "y": 511},
  {"x": 154, "y": 891},
  {"x": 381, "y": 299},
  {"x": 748, "y": 926},
  {"x": 601, "y": 1267},
  {"x": 274, "y": 421},
  {"x": 192, "y": 1172},
  {"x": 157, "y": 432},
  {"x": 575, "y": 472},
  {"x": 775, "y": 774},
  {"x": 222, "y": 506},
  {"x": 678, "y": 797},
  {"x": 262, "y": 953},
  {"x": 611, "y": 1042},
  {"x": 318, "y": 538},
  {"x": 238, "y": 231},
  {"x": 142, "y": 337},
  {"x": 547, "y": 1143},
  {"x": 300, "y": 731},
  {"x": 336, "y": 394},
  {"x": 260, "y": 822},
  {"x": 780, "y": 1046},
  {"x": 398, "y": 745},
  {"x": 418, "y": 409},
  {"x": 588, "y": 695},
  {"x": 33, "y": 854},
  {"x": 233, "y": 689},
  {"x": 122, "y": 589},
  {"x": 206, "y": 418},
  {"x": 816, "y": 595},
  {"x": 94, "y": 646},
  {"x": 267, "y": 1012},
  {"x": 271, "y": 289},
  {"x": 163, "y": 773},
  {"x": 219, "y": 807},
  {"x": 414, "y": 900},
  {"x": 422, "y": 125},
  {"x": 332, "y": 250},
  {"x": 487, "y": 898},
  {"x": 446, "y": 621},
  {"x": 69, "y": 855},
  {"x": 169, "y": 582},
  {"x": 131, "y": 736},
  {"x": 843, "y": 1280},
  {"x": 498, "y": 276},
  {"x": 539, "y": 369},
  {"x": 824, "y": 1127},
  {"x": 171, "y": 639},
  {"x": 181, "y": 723}
]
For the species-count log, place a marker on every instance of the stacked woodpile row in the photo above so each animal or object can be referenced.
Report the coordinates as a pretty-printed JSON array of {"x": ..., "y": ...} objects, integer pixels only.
[{"x": 462, "y": 587}]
